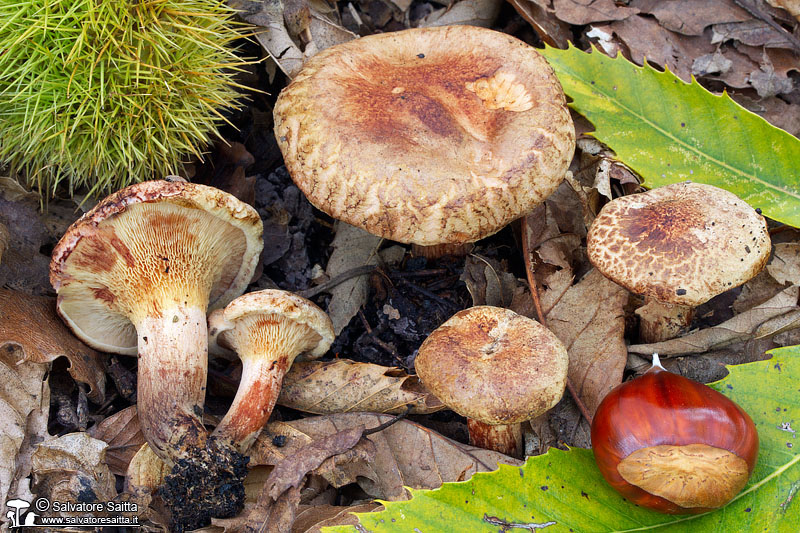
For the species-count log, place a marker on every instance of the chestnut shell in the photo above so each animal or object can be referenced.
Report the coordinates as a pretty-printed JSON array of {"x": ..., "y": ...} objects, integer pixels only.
[{"x": 662, "y": 408}]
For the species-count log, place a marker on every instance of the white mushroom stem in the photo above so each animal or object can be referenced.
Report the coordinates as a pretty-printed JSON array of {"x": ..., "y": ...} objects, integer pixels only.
[
  {"x": 504, "y": 438},
  {"x": 660, "y": 321},
  {"x": 173, "y": 363},
  {"x": 259, "y": 388}
]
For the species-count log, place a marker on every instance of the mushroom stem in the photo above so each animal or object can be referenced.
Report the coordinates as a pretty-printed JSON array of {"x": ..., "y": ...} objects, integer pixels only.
[
  {"x": 255, "y": 399},
  {"x": 173, "y": 362},
  {"x": 503, "y": 438},
  {"x": 660, "y": 321}
]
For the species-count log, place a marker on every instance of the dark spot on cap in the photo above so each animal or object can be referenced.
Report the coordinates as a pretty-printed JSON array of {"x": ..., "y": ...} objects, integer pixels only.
[
  {"x": 421, "y": 56},
  {"x": 758, "y": 210},
  {"x": 680, "y": 292}
]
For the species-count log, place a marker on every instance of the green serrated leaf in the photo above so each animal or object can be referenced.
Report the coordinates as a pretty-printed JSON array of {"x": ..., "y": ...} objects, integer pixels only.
[
  {"x": 567, "y": 488},
  {"x": 671, "y": 131}
]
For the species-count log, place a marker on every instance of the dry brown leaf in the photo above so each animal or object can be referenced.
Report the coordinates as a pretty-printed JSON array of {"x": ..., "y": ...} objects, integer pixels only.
[
  {"x": 742, "y": 327},
  {"x": 488, "y": 282},
  {"x": 122, "y": 433},
  {"x": 341, "y": 386},
  {"x": 540, "y": 15},
  {"x": 750, "y": 32},
  {"x": 590, "y": 321},
  {"x": 277, "y": 39},
  {"x": 583, "y": 12},
  {"x": 71, "y": 469},
  {"x": 691, "y": 17},
  {"x": 24, "y": 408},
  {"x": 311, "y": 519},
  {"x": 407, "y": 454},
  {"x": 784, "y": 266},
  {"x": 31, "y": 323},
  {"x": 472, "y": 12},
  {"x": 23, "y": 267},
  {"x": 5, "y": 240}
]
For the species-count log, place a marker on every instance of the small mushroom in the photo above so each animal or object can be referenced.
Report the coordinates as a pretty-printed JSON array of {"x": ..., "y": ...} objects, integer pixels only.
[
  {"x": 268, "y": 330},
  {"x": 138, "y": 272},
  {"x": 496, "y": 368},
  {"x": 679, "y": 246},
  {"x": 431, "y": 136}
]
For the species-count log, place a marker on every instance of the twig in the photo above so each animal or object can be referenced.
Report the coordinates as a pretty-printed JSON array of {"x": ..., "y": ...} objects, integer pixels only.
[
  {"x": 534, "y": 288},
  {"x": 374, "y": 338},
  {"x": 386, "y": 424},
  {"x": 505, "y": 526},
  {"x": 336, "y": 280}
]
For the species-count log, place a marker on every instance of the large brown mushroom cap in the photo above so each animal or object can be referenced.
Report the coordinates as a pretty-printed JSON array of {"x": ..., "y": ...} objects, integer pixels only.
[
  {"x": 679, "y": 244},
  {"x": 493, "y": 365},
  {"x": 426, "y": 136},
  {"x": 148, "y": 246}
]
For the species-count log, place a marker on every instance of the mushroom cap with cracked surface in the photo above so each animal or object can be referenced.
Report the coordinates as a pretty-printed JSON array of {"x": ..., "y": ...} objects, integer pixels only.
[
  {"x": 146, "y": 248},
  {"x": 493, "y": 365},
  {"x": 428, "y": 135},
  {"x": 680, "y": 244}
]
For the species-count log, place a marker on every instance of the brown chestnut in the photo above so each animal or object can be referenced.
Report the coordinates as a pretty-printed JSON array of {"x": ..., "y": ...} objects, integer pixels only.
[{"x": 672, "y": 444}]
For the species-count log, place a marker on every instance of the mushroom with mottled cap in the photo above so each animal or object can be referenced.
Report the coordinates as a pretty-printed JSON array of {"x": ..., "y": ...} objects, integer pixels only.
[
  {"x": 496, "y": 368},
  {"x": 268, "y": 330},
  {"x": 679, "y": 246},
  {"x": 138, "y": 272},
  {"x": 428, "y": 136}
]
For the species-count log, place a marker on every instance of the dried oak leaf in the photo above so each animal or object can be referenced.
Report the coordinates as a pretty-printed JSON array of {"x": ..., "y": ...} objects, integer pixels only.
[
  {"x": 583, "y": 12},
  {"x": 691, "y": 17},
  {"x": 540, "y": 15},
  {"x": 122, "y": 433},
  {"x": 31, "y": 323},
  {"x": 590, "y": 321},
  {"x": 24, "y": 407},
  {"x": 407, "y": 454},
  {"x": 341, "y": 386},
  {"x": 23, "y": 266}
]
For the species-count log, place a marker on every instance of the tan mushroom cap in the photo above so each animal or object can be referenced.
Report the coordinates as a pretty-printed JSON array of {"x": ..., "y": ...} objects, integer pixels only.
[
  {"x": 271, "y": 318},
  {"x": 149, "y": 246},
  {"x": 680, "y": 244},
  {"x": 426, "y": 136},
  {"x": 493, "y": 365}
]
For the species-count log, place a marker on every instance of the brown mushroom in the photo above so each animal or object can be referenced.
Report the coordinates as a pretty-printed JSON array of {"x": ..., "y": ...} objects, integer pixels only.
[
  {"x": 268, "y": 330},
  {"x": 496, "y": 368},
  {"x": 679, "y": 246},
  {"x": 138, "y": 272},
  {"x": 430, "y": 136}
]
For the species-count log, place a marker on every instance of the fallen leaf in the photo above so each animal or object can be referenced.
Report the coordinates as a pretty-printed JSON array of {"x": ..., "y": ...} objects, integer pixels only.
[
  {"x": 792, "y": 6},
  {"x": 71, "y": 469},
  {"x": 31, "y": 323},
  {"x": 549, "y": 28},
  {"x": 5, "y": 239},
  {"x": 471, "y": 12},
  {"x": 353, "y": 247},
  {"x": 691, "y": 17},
  {"x": 583, "y": 12},
  {"x": 311, "y": 519},
  {"x": 122, "y": 433},
  {"x": 23, "y": 267},
  {"x": 341, "y": 386},
  {"x": 407, "y": 454},
  {"x": 784, "y": 266},
  {"x": 24, "y": 408},
  {"x": 750, "y": 32},
  {"x": 741, "y": 327},
  {"x": 488, "y": 282},
  {"x": 590, "y": 321}
]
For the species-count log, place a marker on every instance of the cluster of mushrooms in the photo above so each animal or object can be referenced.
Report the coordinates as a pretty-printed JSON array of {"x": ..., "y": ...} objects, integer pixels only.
[{"x": 448, "y": 139}]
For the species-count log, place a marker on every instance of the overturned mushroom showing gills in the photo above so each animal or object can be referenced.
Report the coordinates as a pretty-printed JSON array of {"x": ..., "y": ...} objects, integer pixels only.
[
  {"x": 496, "y": 368},
  {"x": 268, "y": 330},
  {"x": 137, "y": 274},
  {"x": 679, "y": 246},
  {"x": 429, "y": 136}
]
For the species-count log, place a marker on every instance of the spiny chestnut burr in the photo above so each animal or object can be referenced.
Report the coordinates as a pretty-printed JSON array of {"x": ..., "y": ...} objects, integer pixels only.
[{"x": 674, "y": 445}]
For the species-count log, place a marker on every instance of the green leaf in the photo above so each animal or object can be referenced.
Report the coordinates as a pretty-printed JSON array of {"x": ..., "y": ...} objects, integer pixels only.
[
  {"x": 671, "y": 131},
  {"x": 568, "y": 489}
]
